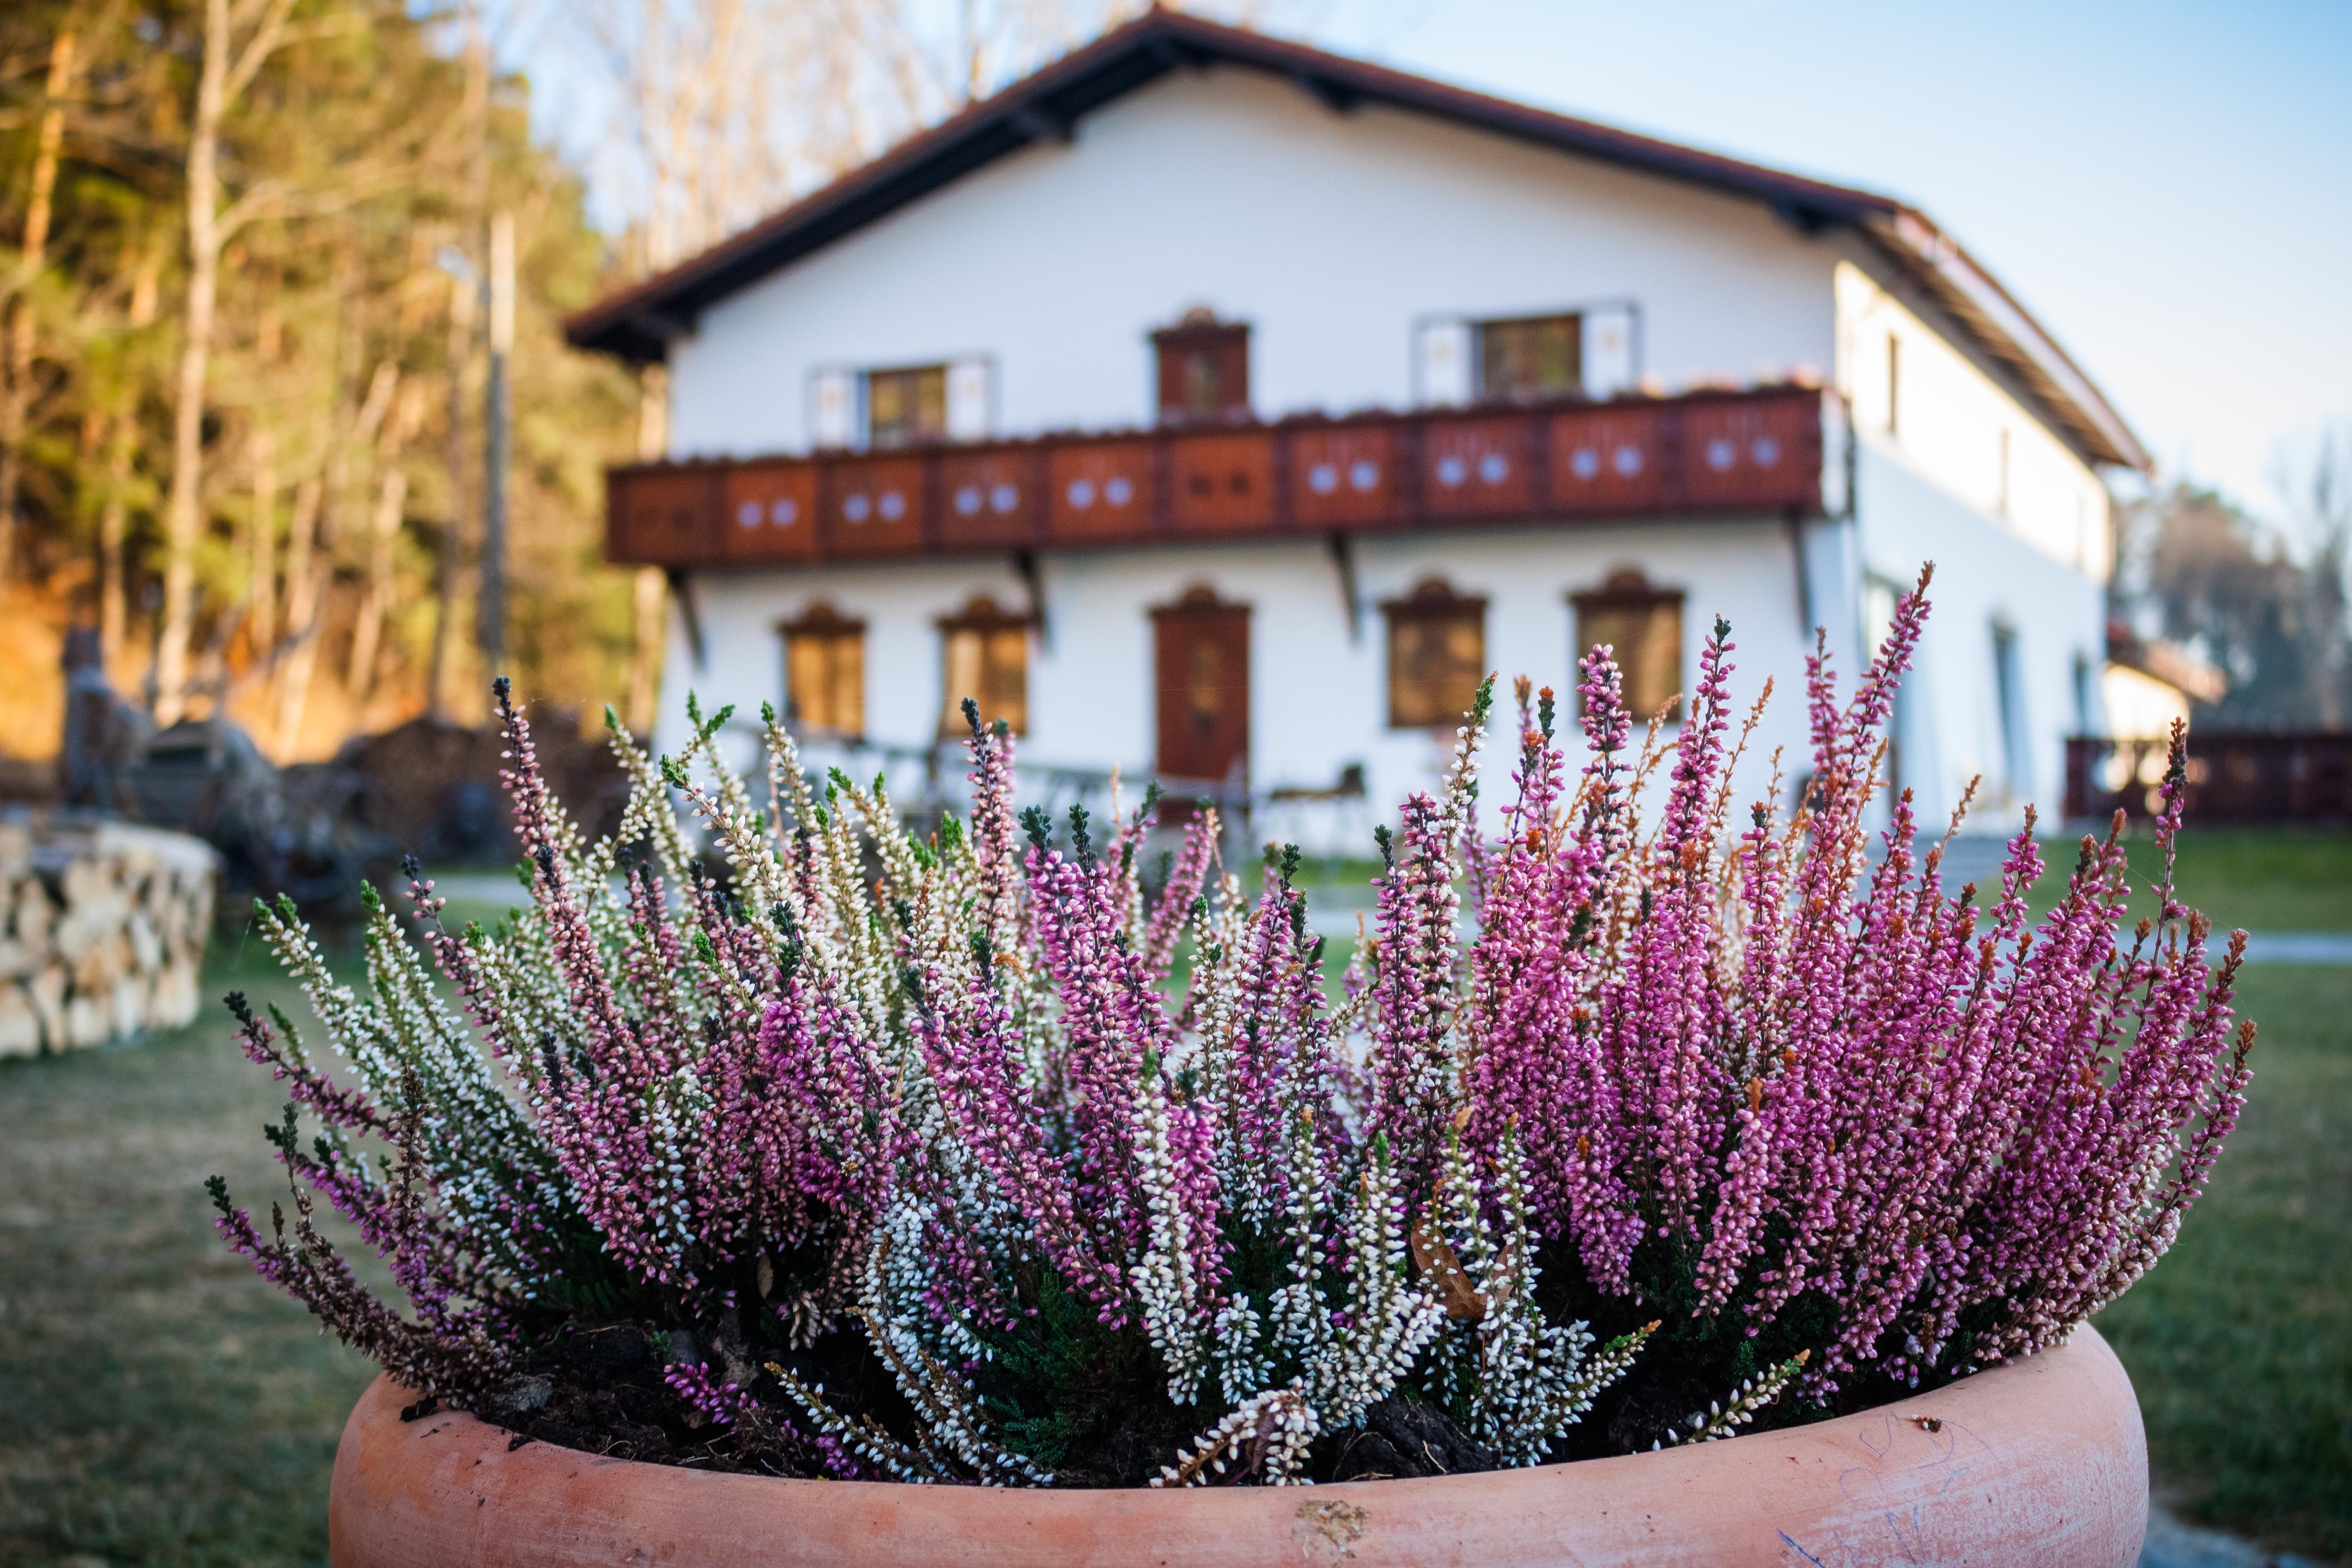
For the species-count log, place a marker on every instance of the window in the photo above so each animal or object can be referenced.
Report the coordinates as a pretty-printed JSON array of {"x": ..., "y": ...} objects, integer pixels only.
[
  {"x": 984, "y": 654},
  {"x": 905, "y": 407},
  {"x": 2011, "y": 700},
  {"x": 825, "y": 672},
  {"x": 1530, "y": 358},
  {"x": 1203, "y": 370},
  {"x": 1644, "y": 626},
  {"x": 1437, "y": 657}
]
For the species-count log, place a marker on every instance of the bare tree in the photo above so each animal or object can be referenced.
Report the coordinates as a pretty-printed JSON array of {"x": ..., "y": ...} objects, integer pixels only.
[
  {"x": 261, "y": 543},
  {"x": 17, "y": 376},
  {"x": 384, "y": 531},
  {"x": 227, "y": 68},
  {"x": 120, "y": 441},
  {"x": 309, "y": 558}
]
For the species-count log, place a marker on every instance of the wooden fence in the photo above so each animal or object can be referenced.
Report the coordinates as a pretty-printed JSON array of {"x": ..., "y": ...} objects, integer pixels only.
[{"x": 2250, "y": 776}]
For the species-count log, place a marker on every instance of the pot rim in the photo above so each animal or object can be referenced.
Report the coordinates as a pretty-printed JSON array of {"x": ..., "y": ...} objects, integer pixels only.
[{"x": 2049, "y": 1448}]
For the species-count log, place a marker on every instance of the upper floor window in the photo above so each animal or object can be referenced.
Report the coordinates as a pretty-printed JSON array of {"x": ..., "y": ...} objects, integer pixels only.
[
  {"x": 905, "y": 407},
  {"x": 984, "y": 654},
  {"x": 1203, "y": 369},
  {"x": 1437, "y": 656},
  {"x": 1530, "y": 358},
  {"x": 2009, "y": 696},
  {"x": 1593, "y": 351},
  {"x": 1643, "y": 624},
  {"x": 825, "y": 672}
]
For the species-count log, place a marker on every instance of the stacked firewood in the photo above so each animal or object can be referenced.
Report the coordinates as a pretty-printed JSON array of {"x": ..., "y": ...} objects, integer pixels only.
[{"x": 102, "y": 929}]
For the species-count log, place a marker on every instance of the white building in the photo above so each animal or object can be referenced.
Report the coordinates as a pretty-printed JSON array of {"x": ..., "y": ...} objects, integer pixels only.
[{"x": 1212, "y": 406}]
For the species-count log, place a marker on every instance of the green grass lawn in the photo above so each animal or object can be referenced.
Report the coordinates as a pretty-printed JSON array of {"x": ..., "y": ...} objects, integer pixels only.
[
  {"x": 2273, "y": 881},
  {"x": 2240, "y": 1341},
  {"x": 166, "y": 1407}
]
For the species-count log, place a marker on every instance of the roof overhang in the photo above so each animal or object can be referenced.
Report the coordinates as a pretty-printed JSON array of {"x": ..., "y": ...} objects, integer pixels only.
[
  {"x": 638, "y": 322},
  {"x": 2004, "y": 329}
]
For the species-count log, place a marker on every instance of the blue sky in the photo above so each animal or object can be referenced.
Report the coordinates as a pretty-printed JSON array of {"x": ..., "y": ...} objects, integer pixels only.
[{"x": 2167, "y": 186}]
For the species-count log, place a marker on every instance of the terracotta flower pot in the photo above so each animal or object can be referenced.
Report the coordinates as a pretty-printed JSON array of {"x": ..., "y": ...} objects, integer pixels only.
[{"x": 2043, "y": 1462}]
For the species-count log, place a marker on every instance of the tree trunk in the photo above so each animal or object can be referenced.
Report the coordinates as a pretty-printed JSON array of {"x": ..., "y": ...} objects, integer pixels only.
[
  {"x": 651, "y": 602},
  {"x": 261, "y": 581},
  {"x": 113, "y": 522},
  {"x": 367, "y": 632},
  {"x": 652, "y": 598},
  {"x": 306, "y": 618},
  {"x": 453, "y": 530},
  {"x": 114, "y": 516},
  {"x": 303, "y": 591},
  {"x": 456, "y": 535},
  {"x": 218, "y": 81},
  {"x": 383, "y": 533},
  {"x": 16, "y": 386},
  {"x": 183, "y": 519}
]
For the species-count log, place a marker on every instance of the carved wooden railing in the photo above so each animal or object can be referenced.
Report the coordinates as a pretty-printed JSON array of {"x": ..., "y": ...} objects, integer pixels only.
[{"x": 1715, "y": 453}]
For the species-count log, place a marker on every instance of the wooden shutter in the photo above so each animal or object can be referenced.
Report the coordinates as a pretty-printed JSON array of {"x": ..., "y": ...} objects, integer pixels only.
[
  {"x": 970, "y": 400},
  {"x": 1609, "y": 342},
  {"x": 833, "y": 408},
  {"x": 1442, "y": 359}
]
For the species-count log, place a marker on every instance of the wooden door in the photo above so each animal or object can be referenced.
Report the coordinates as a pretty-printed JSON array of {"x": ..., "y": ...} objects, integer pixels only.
[{"x": 1200, "y": 669}]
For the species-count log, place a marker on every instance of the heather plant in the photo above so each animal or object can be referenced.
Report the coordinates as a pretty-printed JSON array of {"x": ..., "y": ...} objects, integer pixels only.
[{"x": 796, "y": 1141}]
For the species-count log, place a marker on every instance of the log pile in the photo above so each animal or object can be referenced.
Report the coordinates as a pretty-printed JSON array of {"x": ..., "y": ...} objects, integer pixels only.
[{"x": 102, "y": 929}]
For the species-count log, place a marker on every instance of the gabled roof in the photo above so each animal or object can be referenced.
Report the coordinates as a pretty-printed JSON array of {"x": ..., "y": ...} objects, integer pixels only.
[{"x": 637, "y": 322}]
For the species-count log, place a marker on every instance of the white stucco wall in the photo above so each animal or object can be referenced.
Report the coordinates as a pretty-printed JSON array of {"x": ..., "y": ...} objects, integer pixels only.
[
  {"x": 1330, "y": 232},
  {"x": 1964, "y": 432},
  {"x": 1951, "y": 722},
  {"x": 1319, "y": 699}
]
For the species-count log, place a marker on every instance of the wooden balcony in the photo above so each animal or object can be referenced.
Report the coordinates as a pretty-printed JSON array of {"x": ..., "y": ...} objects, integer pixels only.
[{"x": 1709, "y": 454}]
